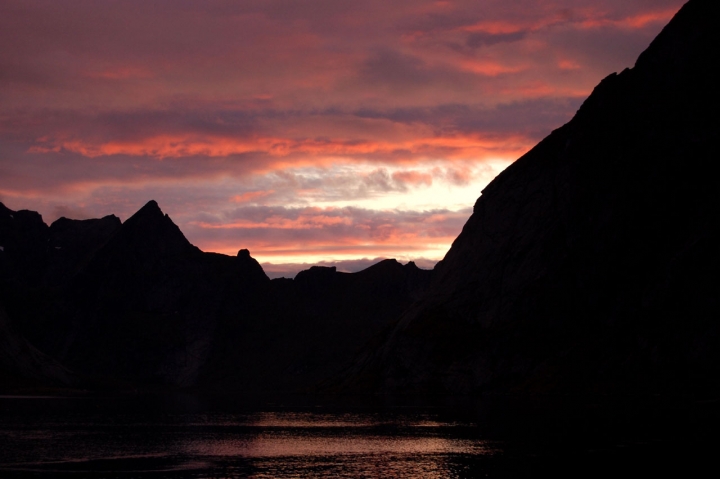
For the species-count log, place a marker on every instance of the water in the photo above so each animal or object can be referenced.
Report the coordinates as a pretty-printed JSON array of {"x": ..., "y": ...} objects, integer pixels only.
[
  {"x": 56, "y": 437},
  {"x": 188, "y": 438}
]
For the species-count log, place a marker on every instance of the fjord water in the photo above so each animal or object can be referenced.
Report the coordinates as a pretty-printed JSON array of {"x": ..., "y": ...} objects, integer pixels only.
[
  {"x": 65, "y": 437},
  {"x": 189, "y": 437}
]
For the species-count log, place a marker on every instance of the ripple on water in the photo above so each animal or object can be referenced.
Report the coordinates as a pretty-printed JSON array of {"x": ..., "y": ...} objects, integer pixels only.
[{"x": 257, "y": 445}]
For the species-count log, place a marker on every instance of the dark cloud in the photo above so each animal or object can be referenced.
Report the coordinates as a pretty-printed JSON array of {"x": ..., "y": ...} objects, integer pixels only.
[
  {"x": 121, "y": 125},
  {"x": 380, "y": 180},
  {"x": 481, "y": 39},
  {"x": 608, "y": 48},
  {"x": 395, "y": 69},
  {"x": 534, "y": 118}
]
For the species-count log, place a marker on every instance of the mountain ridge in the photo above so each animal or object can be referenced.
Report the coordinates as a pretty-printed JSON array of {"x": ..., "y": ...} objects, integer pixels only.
[{"x": 136, "y": 305}]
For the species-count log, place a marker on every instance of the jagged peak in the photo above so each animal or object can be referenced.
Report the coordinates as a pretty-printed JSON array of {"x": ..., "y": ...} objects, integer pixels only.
[
  {"x": 150, "y": 209},
  {"x": 149, "y": 223},
  {"x": 150, "y": 213}
]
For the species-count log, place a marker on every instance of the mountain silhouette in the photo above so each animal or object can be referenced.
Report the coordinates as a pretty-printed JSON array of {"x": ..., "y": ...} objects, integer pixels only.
[
  {"x": 136, "y": 305},
  {"x": 591, "y": 263},
  {"x": 146, "y": 304},
  {"x": 23, "y": 243}
]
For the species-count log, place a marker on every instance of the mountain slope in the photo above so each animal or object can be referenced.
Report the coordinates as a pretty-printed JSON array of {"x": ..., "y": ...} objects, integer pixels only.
[
  {"x": 591, "y": 264},
  {"x": 23, "y": 367}
]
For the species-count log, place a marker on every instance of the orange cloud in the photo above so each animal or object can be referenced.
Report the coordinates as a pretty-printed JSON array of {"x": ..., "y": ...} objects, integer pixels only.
[
  {"x": 166, "y": 146},
  {"x": 637, "y": 21},
  {"x": 588, "y": 17},
  {"x": 489, "y": 68},
  {"x": 568, "y": 65},
  {"x": 643, "y": 19},
  {"x": 277, "y": 222},
  {"x": 413, "y": 177},
  {"x": 249, "y": 196}
]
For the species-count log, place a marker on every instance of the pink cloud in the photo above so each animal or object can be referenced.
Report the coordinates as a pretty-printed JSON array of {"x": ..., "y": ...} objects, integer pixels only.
[
  {"x": 250, "y": 196},
  {"x": 568, "y": 65},
  {"x": 633, "y": 21},
  {"x": 413, "y": 177},
  {"x": 279, "y": 231},
  {"x": 215, "y": 105}
]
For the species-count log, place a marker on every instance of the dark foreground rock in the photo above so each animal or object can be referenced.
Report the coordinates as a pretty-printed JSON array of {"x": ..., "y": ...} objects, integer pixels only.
[{"x": 591, "y": 265}]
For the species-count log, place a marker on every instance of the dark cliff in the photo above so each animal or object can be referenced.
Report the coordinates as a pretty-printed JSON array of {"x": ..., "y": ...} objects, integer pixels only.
[{"x": 591, "y": 264}]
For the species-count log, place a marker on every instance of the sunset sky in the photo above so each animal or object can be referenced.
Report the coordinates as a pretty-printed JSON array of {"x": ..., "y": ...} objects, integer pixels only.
[{"x": 317, "y": 132}]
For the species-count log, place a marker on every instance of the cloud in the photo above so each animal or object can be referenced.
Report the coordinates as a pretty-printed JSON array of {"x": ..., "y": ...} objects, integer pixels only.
[
  {"x": 480, "y": 39},
  {"x": 458, "y": 176},
  {"x": 241, "y": 117},
  {"x": 528, "y": 117},
  {"x": 395, "y": 69},
  {"x": 250, "y": 196},
  {"x": 412, "y": 177},
  {"x": 272, "y": 231}
]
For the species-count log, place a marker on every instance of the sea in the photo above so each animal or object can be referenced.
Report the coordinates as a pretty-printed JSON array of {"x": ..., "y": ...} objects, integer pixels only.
[{"x": 196, "y": 436}]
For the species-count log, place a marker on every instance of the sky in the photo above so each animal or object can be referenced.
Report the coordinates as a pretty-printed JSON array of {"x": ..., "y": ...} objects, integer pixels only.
[{"x": 309, "y": 132}]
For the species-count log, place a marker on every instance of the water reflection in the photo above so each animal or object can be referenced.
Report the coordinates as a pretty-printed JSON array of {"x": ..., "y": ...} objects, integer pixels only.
[{"x": 276, "y": 444}]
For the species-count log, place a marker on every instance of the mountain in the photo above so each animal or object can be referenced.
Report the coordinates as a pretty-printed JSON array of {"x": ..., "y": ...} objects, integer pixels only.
[
  {"x": 71, "y": 243},
  {"x": 591, "y": 264},
  {"x": 23, "y": 244},
  {"x": 135, "y": 305},
  {"x": 306, "y": 330},
  {"x": 144, "y": 306},
  {"x": 23, "y": 366}
]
